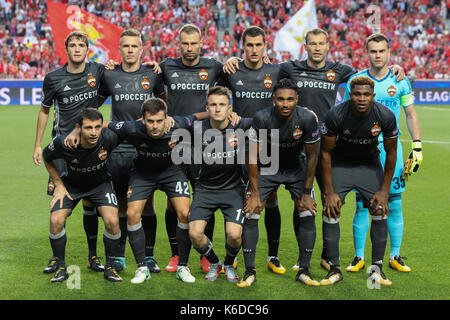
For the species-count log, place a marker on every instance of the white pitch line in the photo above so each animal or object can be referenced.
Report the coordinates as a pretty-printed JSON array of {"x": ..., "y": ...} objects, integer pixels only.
[
  {"x": 429, "y": 141},
  {"x": 434, "y": 108}
]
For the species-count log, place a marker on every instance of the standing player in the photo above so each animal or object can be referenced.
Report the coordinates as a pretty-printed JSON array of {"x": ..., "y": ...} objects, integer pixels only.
[
  {"x": 71, "y": 89},
  {"x": 350, "y": 160},
  {"x": 86, "y": 178},
  {"x": 129, "y": 85},
  {"x": 187, "y": 79},
  {"x": 252, "y": 87},
  {"x": 318, "y": 82},
  {"x": 219, "y": 184},
  {"x": 395, "y": 95},
  {"x": 297, "y": 129}
]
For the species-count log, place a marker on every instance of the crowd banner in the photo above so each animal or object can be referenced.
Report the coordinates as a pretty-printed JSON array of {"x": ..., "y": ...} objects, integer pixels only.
[
  {"x": 29, "y": 92},
  {"x": 104, "y": 37}
]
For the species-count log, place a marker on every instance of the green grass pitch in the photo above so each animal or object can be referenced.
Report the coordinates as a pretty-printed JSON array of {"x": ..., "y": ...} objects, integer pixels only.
[{"x": 25, "y": 248}]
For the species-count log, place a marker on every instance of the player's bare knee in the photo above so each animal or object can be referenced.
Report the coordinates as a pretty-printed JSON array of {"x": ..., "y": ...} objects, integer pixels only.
[
  {"x": 183, "y": 216},
  {"x": 234, "y": 235},
  {"x": 57, "y": 221},
  {"x": 196, "y": 236}
]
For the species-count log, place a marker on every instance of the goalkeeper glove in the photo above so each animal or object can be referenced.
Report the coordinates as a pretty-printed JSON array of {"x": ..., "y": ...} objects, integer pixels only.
[{"x": 414, "y": 160}]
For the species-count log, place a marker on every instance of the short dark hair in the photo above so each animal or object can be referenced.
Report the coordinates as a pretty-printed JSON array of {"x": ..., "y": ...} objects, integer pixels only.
[
  {"x": 315, "y": 31},
  {"x": 285, "y": 84},
  {"x": 377, "y": 37},
  {"x": 77, "y": 35},
  {"x": 89, "y": 114},
  {"x": 362, "y": 81},
  {"x": 153, "y": 106},
  {"x": 253, "y": 31},
  {"x": 219, "y": 91}
]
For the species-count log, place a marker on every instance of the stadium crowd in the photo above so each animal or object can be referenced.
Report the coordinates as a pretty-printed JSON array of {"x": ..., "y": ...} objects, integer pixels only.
[{"x": 417, "y": 29}]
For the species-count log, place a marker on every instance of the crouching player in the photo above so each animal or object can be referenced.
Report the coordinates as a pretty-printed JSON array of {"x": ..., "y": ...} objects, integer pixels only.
[
  {"x": 86, "y": 178},
  {"x": 350, "y": 159}
]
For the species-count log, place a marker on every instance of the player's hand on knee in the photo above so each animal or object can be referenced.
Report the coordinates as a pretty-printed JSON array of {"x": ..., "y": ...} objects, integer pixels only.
[
  {"x": 231, "y": 65},
  {"x": 252, "y": 206},
  {"x": 332, "y": 206},
  {"x": 307, "y": 203},
  {"x": 379, "y": 204},
  {"x": 58, "y": 195}
]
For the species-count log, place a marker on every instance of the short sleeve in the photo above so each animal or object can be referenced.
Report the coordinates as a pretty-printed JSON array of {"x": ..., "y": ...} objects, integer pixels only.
[
  {"x": 120, "y": 128},
  {"x": 103, "y": 91},
  {"x": 185, "y": 122},
  {"x": 347, "y": 91},
  {"x": 53, "y": 150},
  {"x": 255, "y": 127},
  {"x": 285, "y": 70},
  {"x": 48, "y": 93},
  {"x": 311, "y": 132},
  {"x": 406, "y": 97},
  {"x": 330, "y": 125},
  {"x": 390, "y": 129},
  {"x": 347, "y": 71},
  {"x": 159, "y": 85}
]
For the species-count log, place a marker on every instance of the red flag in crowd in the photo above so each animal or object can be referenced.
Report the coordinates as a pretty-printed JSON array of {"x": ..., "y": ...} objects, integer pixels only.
[{"x": 103, "y": 36}]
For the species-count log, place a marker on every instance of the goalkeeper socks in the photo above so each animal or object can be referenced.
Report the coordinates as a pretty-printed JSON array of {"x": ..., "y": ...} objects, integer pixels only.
[
  {"x": 361, "y": 226},
  {"x": 250, "y": 235},
  {"x": 378, "y": 235},
  {"x": 149, "y": 224},
  {"x": 90, "y": 224},
  {"x": 58, "y": 243},
  {"x": 272, "y": 221},
  {"x": 306, "y": 238},
  {"x": 331, "y": 235},
  {"x": 171, "y": 228},
  {"x": 136, "y": 237},
  {"x": 395, "y": 223}
]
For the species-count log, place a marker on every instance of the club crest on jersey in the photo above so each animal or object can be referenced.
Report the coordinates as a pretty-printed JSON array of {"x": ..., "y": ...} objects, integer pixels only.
[
  {"x": 233, "y": 140},
  {"x": 331, "y": 75},
  {"x": 297, "y": 134},
  {"x": 248, "y": 195},
  {"x": 203, "y": 74},
  {"x": 145, "y": 84},
  {"x": 376, "y": 130},
  {"x": 267, "y": 82},
  {"x": 129, "y": 192},
  {"x": 391, "y": 91},
  {"x": 51, "y": 186},
  {"x": 172, "y": 143},
  {"x": 102, "y": 154},
  {"x": 92, "y": 81}
]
